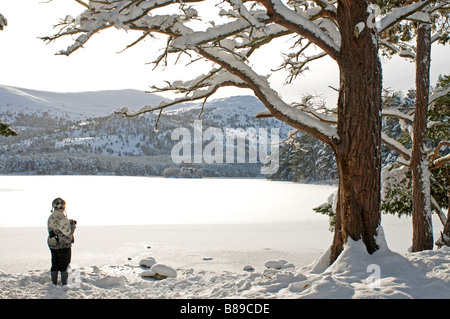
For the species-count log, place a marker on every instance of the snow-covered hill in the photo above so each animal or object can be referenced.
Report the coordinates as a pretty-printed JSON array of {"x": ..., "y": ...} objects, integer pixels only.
[
  {"x": 74, "y": 105},
  {"x": 59, "y": 133}
]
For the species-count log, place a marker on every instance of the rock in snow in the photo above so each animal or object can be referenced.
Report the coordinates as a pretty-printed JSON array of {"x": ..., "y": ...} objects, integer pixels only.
[
  {"x": 278, "y": 264},
  {"x": 147, "y": 262},
  {"x": 111, "y": 282},
  {"x": 275, "y": 264},
  {"x": 160, "y": 271},
  {"x": 249, "y": 268}
]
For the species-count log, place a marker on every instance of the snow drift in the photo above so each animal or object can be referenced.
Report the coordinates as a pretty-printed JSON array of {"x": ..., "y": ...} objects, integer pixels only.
[{"x": 414, "y": 275}]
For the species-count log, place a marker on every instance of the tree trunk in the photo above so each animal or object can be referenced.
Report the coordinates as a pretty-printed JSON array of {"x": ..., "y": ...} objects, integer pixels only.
[
  {"x": 421, "y": 202},
  {"x": 359, "y": 127}
]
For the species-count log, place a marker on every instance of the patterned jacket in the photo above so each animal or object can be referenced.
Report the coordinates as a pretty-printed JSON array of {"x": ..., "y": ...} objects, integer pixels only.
[{"x": 60, "y": 231}]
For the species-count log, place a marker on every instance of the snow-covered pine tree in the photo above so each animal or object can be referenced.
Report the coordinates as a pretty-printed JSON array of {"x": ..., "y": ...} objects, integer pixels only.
[
  {"x": 307, "y": 160},
  {"x": 398, "y": 40},
  {"x": 315, "y": 160},
  {"x": 338, "y": 28},
  {"x": 6, "y": 130},
  {"x": 421, "y": 210},
  {"x": 439, "y": 134},
  {"x": 397, "y": 188}
]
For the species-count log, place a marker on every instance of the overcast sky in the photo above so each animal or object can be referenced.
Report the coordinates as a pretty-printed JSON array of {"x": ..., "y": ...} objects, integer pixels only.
[{"x": 26, "y": 61}]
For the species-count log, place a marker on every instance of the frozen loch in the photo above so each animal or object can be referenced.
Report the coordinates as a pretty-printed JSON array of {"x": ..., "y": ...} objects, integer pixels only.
[{"x": 210, "y": 238}]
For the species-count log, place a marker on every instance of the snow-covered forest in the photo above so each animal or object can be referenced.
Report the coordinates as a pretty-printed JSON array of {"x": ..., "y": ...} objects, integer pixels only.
[{"x": 51, "y": 142}]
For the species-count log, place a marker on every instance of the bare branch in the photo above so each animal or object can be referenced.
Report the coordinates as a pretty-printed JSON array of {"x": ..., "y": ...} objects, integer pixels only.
[
  {"x": 142, "y": 37},
  {"x": 295, "y": 66},
  {"x": 82, "y": 3}
]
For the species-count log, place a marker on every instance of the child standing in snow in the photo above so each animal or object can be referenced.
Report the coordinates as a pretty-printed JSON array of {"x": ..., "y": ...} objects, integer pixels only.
[{"x": 60, "y": 239}]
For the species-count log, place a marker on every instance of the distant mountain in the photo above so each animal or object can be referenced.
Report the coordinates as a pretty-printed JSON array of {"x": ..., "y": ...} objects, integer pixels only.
[
  {"x": 78, "y": 133},
  {"x": 75, "y": 105}
]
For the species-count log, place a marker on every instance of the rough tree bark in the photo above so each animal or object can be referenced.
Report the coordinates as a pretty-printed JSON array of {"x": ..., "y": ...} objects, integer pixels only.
[
  {"x": 359, "y": 127},
  {"x": 421, "y": 206}
]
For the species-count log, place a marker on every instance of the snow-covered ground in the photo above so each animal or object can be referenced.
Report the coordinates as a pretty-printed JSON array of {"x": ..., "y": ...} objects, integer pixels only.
[{"x": 208, "y": 231}]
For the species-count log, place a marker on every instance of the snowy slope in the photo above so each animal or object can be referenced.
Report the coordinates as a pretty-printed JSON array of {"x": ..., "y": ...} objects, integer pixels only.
[
  {"x": 76, "y": 105},
  {"x": 421, "y": 275},
  {"x": 242, "y": 109}
]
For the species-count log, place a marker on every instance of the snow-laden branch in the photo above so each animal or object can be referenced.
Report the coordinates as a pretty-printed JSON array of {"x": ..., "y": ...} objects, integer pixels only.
[
  {"x": 404, "y": 53},
  {"x": 121, "y": 14},
  {"x": 200, "y": 88},
  {"x": 396, "y": 113},
  {"x": 438, "y": 95},
  {"x": 440, "y": 162},
  {"x": 408, "y": 118},
  {"x": 327, "y": 6},
  {"x": 422, "y": 16},
  {"x": 213, "y": 34},
  {"x": 436, "y": 161},
  {"x": 258, "y": 38},
  {"x": 438, "y": 210},
  {"x": 322, "y": 114},
  {"x": 399, "y": 14},
  {"x": 301, "y": 23},
  {"x": 218, "y": 44},
  {"x": 241, "y": 75},
  {"x": 396, "y": 145},
  {"x": 269, "y": 97},
  {"x": 257, "y": 22},
  {"x": 419, "y": 16},
  {"x": 408, "y": 52}
]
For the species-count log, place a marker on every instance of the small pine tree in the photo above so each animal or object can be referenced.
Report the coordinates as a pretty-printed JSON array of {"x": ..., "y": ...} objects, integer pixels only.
[
  {"x": 305, "y": 159},
  {"x": 5, "y": 130},
  {"x": 397, "y": 196}
]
